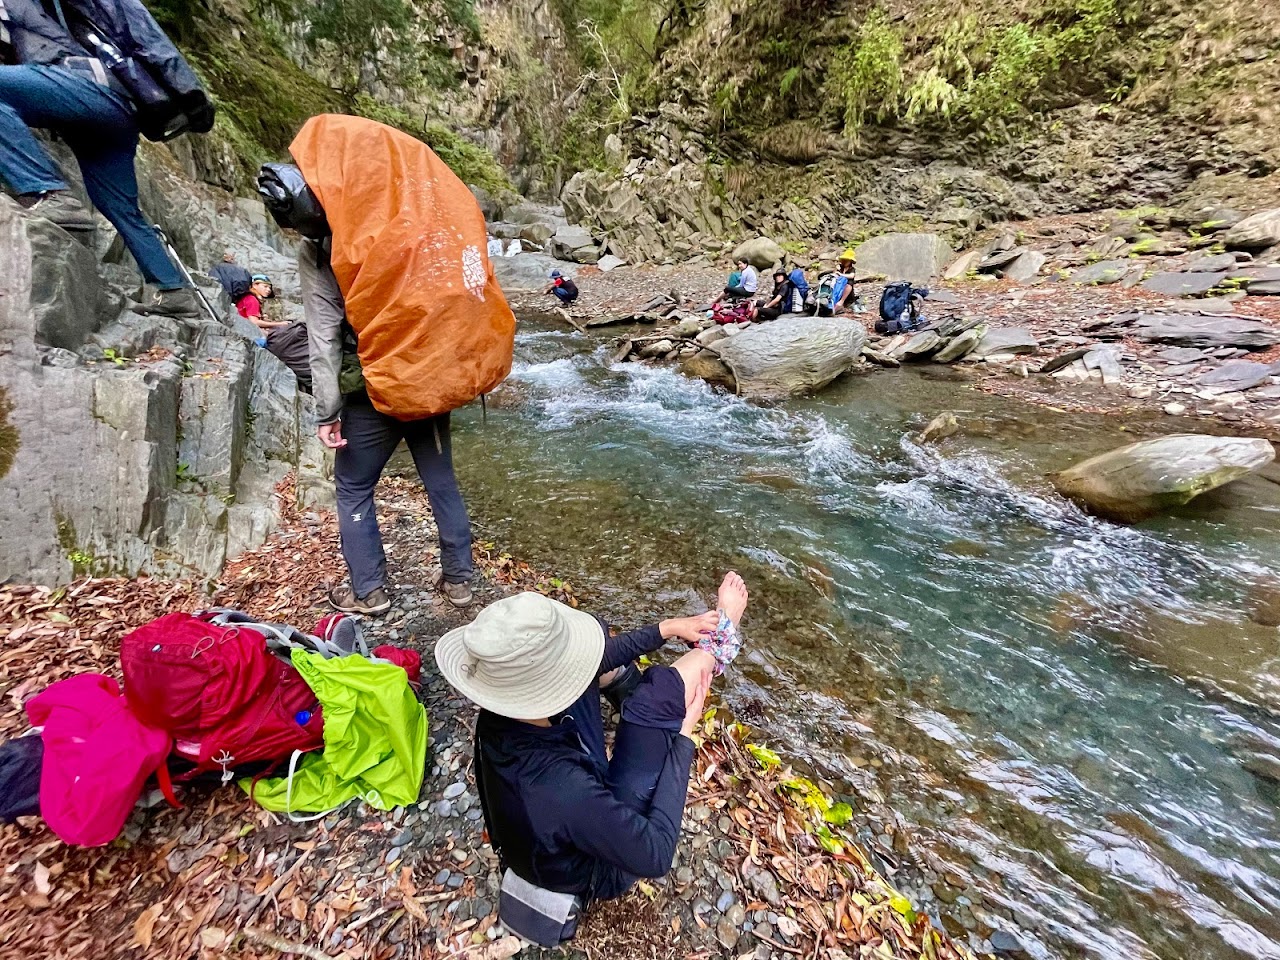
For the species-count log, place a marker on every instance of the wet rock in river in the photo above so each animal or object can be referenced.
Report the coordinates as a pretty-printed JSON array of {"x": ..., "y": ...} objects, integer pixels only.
[
  {"x": 940, "y": 427},
  {"x": 1142, "y": 479},
  {"x": 787, "y": 358}
]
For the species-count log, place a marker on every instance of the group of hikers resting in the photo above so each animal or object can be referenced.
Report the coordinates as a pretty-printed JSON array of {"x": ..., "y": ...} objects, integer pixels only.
[
  {"x": 791, "y": 294},
  {"x": 901, "y": 303}
]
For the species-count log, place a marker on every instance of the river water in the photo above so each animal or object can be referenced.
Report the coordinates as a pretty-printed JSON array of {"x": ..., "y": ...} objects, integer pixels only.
[{"x": 1061, "y": 713}]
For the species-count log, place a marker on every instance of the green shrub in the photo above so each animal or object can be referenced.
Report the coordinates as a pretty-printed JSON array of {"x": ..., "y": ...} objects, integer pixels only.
[{"x": 866, "y": 75}]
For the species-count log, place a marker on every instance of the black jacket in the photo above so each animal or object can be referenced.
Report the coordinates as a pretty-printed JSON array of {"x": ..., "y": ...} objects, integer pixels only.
[
  {"x": 550, "y": 811},
  {"x": 36, "y": 35}
]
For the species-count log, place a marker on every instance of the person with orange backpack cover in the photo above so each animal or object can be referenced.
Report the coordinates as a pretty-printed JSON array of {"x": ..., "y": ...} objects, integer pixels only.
[{"x": 406, "y": 323}]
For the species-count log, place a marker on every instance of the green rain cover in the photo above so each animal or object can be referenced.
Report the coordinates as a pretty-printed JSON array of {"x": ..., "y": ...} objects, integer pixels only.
[{"x": 375, "y": 740}]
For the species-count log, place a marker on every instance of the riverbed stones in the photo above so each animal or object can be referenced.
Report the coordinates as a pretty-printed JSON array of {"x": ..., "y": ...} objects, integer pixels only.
[
  {"x": 1257, "y": 232},
  {"x": 1026, "y": 267},
  {"x": 1184, "y": 284},
  {"x": 918, "y": 257},
  {"x": 959, "y": 347},
  {"x": 918, "y": 346},
  {"x": 940, "y": 427},
  {"x": 1191, "y": 330},
  {"x": 1102, "y": 273},
  {"x": 1143, "y": 479},
  {"x": 1236, "y": 375},
  {"x": 998, "y": 340},
  {"x": 775, "y": 360}
]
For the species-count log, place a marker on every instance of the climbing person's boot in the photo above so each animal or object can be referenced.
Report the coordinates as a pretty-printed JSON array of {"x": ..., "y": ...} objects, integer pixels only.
[
  {"x": 179, "y": 304},
  {"x": 459, "y": 594},
  {"x": 59, "y": 207}
]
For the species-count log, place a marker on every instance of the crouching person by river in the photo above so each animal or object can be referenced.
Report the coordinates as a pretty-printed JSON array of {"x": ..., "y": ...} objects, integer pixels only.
[{"x": 569, "y": 824}]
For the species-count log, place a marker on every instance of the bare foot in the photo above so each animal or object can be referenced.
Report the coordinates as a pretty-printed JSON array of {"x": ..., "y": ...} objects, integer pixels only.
[{"x": 732, "y": 598}]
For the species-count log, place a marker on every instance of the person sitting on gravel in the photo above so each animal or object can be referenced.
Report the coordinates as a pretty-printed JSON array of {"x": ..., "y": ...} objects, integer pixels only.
[
  {"x": 566, "y": 821},
  {"x": 564, "y": 288},
  {"x": 784, "y": 299},
  {"x": 743, "y": 282}
]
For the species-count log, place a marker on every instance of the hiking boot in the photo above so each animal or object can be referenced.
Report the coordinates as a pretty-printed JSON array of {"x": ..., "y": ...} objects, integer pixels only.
[
  {"x": 371, "y": 604},
  {"x": 459, "y": 594},
  {"x": 179, "y": 304},
  {"x": 59, "y": 207}
]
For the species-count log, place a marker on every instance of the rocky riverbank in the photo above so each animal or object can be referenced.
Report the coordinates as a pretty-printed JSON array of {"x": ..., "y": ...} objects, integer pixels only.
[
  {"x": 1067, "y": 338},
  {"x": 769, "y": 866}
]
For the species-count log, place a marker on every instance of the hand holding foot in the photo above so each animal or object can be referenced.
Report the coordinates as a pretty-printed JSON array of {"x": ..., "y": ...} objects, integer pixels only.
[{"x": 689, "y": 629}]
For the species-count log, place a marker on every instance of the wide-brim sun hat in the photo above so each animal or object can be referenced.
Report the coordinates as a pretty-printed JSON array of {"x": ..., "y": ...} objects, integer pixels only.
[{"x": 525, "y": 657}]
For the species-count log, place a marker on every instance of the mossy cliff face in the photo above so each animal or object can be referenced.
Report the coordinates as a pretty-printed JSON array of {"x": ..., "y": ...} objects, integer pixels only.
[
  {"x": 271, "y": 65},
  {"x": 863, "y": 116}
]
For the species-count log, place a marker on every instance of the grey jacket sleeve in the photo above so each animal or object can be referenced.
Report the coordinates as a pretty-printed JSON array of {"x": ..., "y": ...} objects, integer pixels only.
[{"x": 325, "y": 310}]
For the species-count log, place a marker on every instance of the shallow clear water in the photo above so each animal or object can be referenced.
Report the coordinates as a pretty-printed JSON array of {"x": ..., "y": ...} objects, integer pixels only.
[{"x": 1059, "y": 708}]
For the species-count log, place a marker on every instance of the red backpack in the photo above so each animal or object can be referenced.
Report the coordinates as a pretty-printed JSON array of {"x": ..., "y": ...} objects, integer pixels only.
[{"x": 220, "y": 694}]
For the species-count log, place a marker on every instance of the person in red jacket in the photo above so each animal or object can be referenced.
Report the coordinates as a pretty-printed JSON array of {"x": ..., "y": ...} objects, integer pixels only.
[{"x": 250, "y": 305}]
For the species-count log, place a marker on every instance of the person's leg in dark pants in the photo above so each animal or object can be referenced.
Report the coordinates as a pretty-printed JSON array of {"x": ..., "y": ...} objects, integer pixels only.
[
  {"x": 98, "y": 125},
  {"x": 29, "y": 98},
  {"x": 651, "y": 718},
  {"x": 564, "y": 296},
  {"x": 430, "y": 443},
  {"x": 371, "y": 439},
  {"x": 112, "y": 182}
]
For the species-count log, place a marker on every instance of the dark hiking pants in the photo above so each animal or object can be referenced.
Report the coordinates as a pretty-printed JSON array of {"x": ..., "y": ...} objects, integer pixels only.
[{"x": 372, "y": 438}]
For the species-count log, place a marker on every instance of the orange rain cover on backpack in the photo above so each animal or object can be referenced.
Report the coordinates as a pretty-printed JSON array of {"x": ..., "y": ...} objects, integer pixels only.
[{"x": 410, "y": 255}]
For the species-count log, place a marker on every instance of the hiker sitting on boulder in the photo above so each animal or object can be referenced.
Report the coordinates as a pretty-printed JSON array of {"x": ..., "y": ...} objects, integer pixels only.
[
  {"x": 784, "y": 299},
  {"x": 564, "y": 288},
  {"x": 55, "y": 75},
  {"x": 569, "y": 824},
  {"x": 743, "y": 283},
  {"x": 249, "y": 305}
]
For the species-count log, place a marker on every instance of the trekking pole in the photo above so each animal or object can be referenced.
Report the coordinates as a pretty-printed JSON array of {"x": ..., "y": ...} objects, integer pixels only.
[{"x": 173, "y": 255}]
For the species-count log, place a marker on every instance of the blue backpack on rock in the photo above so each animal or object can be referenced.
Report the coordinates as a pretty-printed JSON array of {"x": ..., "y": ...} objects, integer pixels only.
[{"x": 900, "y": 308}]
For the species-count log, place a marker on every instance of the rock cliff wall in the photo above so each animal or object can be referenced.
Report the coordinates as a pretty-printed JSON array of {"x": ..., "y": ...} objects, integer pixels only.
[{"x": 133, "y": 443}]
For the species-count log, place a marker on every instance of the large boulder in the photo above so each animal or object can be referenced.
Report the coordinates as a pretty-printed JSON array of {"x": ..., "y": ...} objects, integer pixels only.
[
  {"x": 575, "y": 244},
  {"x": 762, "y": 253},
  {"x": 1141, "y": 480},
  {"x": 918, "y": 257},
  {"x": 1258, "y": 232},
  {"x": 790, "y": 357},
  {"x": 527, "y": 271}
]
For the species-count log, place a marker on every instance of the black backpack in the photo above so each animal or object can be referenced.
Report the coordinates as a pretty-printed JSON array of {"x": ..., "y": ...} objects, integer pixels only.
[
  {"x": 239, "y": 287},
  {"x": 898, "y": 310},
  {"x": 291, "y": 202},
  {"x": 168, "y": 97}
]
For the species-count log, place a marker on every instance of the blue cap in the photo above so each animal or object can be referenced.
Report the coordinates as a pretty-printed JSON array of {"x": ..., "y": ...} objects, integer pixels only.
[
  {"x": 261, "y": 276},
  {"x": 556, "y": 275}
]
